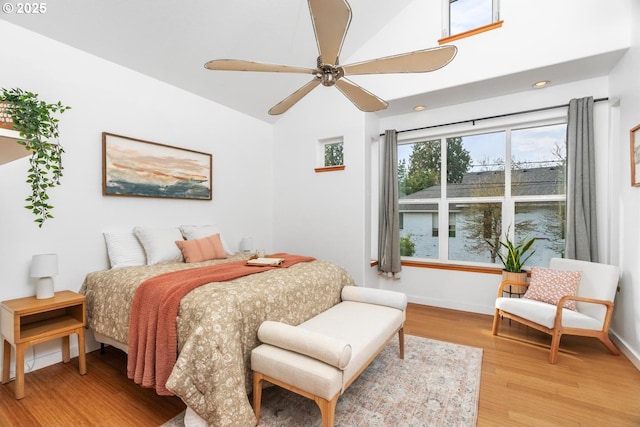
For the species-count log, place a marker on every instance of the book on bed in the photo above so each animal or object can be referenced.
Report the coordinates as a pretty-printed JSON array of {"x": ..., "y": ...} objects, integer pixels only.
[{"x": 265, "y": 261}]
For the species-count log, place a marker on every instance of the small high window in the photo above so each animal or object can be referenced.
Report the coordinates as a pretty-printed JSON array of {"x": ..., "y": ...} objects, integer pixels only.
[
  {"x": 330, "y": 155},
  {"x": 333, "y": 154},
  {"x": 467, "y": 17}
]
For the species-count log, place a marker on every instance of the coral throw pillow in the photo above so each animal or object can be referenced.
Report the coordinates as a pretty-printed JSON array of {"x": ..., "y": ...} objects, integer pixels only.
[
  {"x": 203, "y": 249},
  {"x": 549, "y": 286}
]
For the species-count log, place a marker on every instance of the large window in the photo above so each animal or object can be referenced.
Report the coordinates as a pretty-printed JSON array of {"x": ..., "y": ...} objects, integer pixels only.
[{"x": 511, "y": 178}]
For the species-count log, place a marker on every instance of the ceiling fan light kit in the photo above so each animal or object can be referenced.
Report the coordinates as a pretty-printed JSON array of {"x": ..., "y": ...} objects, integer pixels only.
[{"x": 331, "y": 19}]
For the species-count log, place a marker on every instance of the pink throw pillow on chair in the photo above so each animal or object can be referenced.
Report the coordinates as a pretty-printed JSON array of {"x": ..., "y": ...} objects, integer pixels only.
[{"x": 548, "y": 285}]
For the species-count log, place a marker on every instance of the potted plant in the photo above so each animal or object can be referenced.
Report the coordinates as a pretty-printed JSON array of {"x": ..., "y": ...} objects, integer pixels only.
[
  {"x": 513, "y": 257},
  {"x": 35, "y": 121}
]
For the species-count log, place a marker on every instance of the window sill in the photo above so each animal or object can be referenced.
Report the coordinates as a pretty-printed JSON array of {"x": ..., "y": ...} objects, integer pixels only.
[
  {"x": 329, "y": 168},
  {"x": 451, "y": 267},
  {"x": 470, "y": 33}
]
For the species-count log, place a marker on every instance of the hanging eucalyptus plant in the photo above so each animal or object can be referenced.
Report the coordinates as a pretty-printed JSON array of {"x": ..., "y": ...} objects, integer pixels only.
[{"x": 35, "y": 121}]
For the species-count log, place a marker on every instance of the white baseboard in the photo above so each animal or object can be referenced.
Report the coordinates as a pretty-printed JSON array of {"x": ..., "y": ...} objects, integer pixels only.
[
  {"x": 453, "y": 305},
  {"x": 626, "y": 350}
]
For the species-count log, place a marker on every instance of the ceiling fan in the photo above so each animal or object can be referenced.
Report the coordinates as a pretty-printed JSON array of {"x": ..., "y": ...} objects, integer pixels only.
[{"x": 331, "y": 20}]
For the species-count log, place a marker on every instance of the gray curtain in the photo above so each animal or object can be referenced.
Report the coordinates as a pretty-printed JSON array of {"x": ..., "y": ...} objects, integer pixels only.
[
  {"x": 582, "y": 238},
  {"x": 388, "y": 227}
]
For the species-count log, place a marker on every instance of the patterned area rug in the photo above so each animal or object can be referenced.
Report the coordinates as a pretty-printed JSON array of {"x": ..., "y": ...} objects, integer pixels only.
[{"x": 437, "y": 384}]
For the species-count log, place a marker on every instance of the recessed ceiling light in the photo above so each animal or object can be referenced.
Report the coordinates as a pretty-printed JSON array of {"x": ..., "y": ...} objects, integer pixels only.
[
  {"x": 419, "y": 108},
  {"x": 541, "y": 83}
]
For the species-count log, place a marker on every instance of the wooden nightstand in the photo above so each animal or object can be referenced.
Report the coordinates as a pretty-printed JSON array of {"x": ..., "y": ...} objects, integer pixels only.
[{"x": 29, "y": 321}]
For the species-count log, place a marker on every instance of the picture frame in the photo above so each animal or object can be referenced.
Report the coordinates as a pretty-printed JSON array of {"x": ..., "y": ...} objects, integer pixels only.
[
  {"x": 134, "y": 167},
  {"x": 635, "y": 155}
]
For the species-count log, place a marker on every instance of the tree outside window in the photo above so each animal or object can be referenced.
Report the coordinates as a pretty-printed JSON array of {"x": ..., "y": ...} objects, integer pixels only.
[{"x": 333, "y": 154}]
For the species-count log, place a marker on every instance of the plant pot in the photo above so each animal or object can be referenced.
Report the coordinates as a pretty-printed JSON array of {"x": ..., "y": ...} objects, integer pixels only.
[{"x": 520, "y": 277}]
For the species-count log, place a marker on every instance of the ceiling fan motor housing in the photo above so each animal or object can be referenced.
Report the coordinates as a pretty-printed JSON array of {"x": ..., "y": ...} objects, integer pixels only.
[{"x": 328, "y": 74}]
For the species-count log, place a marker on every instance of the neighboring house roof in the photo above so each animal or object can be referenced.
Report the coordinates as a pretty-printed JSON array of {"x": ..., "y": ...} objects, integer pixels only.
[{"x": 531, "y": 181}]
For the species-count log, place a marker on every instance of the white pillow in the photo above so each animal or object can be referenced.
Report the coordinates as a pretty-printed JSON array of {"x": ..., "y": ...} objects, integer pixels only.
[
  {"x": 160, "y": 243},
  {"x": 193, "y": 232},
  {"x": 124, "y": 249}
]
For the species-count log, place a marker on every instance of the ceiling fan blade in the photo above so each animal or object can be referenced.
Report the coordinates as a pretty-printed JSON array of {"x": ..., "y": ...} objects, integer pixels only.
[
  {"x": 419, "y": 61},
  {"x": 331, "y": 20},
  {"x": 296, "y": 96},
  {"x": 361, "y": 98},
  {"x": 240, "y": 65}
]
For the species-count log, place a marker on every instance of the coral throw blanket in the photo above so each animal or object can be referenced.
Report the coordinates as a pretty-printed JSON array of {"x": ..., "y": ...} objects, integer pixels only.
[{"x": 153, "y": 341}]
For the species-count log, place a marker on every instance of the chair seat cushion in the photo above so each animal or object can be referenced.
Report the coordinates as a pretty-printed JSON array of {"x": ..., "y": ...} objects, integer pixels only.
[{"x": 544, "y": 314}]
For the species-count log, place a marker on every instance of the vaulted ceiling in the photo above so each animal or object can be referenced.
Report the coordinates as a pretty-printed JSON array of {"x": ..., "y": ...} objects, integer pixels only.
[{"x": 170, "y": 40}]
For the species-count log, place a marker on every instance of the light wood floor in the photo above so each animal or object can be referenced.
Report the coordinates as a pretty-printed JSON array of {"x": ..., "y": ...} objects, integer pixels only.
[{"x": 588, "y": 386}]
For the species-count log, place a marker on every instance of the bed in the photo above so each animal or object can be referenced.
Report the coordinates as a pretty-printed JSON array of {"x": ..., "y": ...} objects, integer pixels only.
[{"x": 216, "y": 324}]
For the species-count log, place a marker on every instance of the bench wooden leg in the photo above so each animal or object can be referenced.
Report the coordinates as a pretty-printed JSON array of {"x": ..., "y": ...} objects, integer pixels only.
[
  {"x": 257, "y": 394},
  {"x": 328, "y": 410},
  {"x": 401, "y": 340}
]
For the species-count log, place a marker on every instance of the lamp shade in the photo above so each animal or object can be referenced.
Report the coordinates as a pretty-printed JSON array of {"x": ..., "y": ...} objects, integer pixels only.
[
  {"x": 44, "y": 265},
  {"x": 246, "y": 244}
]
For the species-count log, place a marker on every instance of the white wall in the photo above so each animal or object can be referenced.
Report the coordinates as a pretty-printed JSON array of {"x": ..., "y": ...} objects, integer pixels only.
[
  {"x": 107, "y": 97},
  {"x": 326, "y": 214},
  {"x": 625, "y": 89}
]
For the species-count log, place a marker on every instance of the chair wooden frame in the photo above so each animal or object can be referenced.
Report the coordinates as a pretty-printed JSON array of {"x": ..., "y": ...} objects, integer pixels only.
[{"x": 558, "y": 330}]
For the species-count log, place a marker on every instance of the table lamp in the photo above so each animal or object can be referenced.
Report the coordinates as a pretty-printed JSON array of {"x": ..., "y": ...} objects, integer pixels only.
[
  {"x": 246, "y": 244},
  {"x": 43, "y": 267}
]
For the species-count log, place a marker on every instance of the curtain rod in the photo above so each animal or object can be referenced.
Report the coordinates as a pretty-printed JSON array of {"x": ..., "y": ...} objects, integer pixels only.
[{"x": 492, "y": 117}]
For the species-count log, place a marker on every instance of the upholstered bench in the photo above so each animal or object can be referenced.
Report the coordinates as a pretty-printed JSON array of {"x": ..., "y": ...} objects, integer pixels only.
[{"x": 321, "y": 357}]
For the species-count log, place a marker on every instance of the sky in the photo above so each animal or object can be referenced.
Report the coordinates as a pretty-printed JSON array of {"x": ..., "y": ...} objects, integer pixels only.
[
  {"x": 531, "y": 146},
  {"x": 466, "y": 15}
]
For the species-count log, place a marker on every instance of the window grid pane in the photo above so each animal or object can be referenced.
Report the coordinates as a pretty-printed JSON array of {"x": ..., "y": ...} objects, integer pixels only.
[
  {"x": 475, "y": 165},
  {"x": 538, "y": 160},
  {"x": 475, "y": 223},
  {"x": 420, "y": 221},
  {"x": 546, "y": 221}
]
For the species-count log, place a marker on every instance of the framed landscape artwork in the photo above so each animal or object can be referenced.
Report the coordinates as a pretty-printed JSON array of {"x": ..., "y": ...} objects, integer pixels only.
[
  {"x": 133, "y": 167},
  {"x": 635, "y": 156}
]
